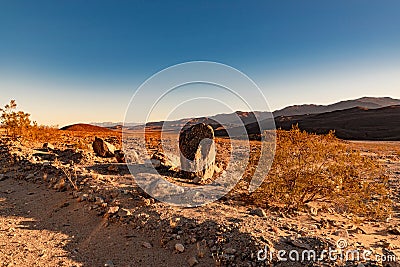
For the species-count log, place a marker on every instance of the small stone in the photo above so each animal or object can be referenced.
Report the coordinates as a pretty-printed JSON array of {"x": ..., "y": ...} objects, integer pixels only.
[
  {"x": 156, "y": 163},
  {"x": 48, "y": 146},
  {"x": 159, "y": 188},
  {"x": 359, "y": 230},
  {"x": 218, "y": 168},
  {"x": 98, "y": 200},
  {"x": 2, "y": 177},
  {"x": 179, "y": 247},
  {"x": 147, "y": 201},
  {"x": 259, "y": 212},
  {"x": 314, "y": 211},
  {"x": 124, "y": 212},
  {"x": 131, "y": 156},
  {"x": 119, "y": 156},
  {"x": 113, "y": 210},
  {"x": 146, "y": 245},
  {"x": 387, "y": 245},
  {"x": 394, "y": 231},
  {"x": 83, "y": 197},
  {"x": 342, "y": 233},
  {"x": 109, "y": 264},
  {"x": 192, "y": 261},
  {"x": 60, "y": 186}
]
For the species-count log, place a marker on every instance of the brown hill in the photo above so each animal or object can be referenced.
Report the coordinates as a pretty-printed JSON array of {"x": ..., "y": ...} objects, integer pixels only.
[{"x": 85, "y": 128}]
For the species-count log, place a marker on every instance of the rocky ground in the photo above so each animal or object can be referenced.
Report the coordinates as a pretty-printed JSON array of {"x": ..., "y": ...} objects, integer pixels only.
[{"x": 65, "y": 206}]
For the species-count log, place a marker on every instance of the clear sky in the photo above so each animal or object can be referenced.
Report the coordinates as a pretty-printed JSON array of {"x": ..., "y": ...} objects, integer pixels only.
[{"x": 80, "y": 61}]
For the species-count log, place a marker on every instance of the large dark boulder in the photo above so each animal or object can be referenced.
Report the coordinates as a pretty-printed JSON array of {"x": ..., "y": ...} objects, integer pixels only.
[
  {"x": 197, "y": 151},
  {"x": 103, "y": 148}
]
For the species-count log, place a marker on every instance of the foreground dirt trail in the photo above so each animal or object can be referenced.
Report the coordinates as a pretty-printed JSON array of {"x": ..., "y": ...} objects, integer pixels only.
[{"x": 41, "y": 227}]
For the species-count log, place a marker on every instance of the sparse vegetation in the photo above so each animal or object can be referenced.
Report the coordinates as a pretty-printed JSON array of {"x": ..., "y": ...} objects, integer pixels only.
[
  {"x": 69, "y": 172},
  {"x": 18, "y": 124},
  {"x": 15, "y": 122},
  {"x": 307, "y": 168},
  {"x": 310, "y": 168}
]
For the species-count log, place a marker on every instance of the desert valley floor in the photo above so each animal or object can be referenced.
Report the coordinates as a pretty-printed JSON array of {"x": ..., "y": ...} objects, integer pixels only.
[{"x": 111, "y": 222}]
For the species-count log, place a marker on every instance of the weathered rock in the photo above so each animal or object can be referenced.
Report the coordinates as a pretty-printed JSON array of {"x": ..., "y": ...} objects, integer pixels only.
[
  {"x": 60, "y": 185},
  {"x": 156, "y": 163},
  {"x": 386, "y": 244},
  {"x": 179, "y": 247},
  {"x": 146, "y": 245},
  {"x": 198, "y": 151},
  {"x": 259, "y": 212},
  {"x": 159, "y": 160},
  {"x": 113, "y": 210},
  {"x": 119, "y": 156},
  {"x": 124, "y": 212},
  {"x": 131, "y": 156},
  {"x": 359, "y": 230},
  {"x": 394, "y": 230},
  {"x": 102, "y": 148},
  {"x": 162, "y": 188},
  {"x": 48, "y": 146}
]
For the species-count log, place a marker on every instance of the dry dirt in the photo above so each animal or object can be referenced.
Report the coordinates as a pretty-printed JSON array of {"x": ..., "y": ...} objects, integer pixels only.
[{"x": 112, "y": 222}]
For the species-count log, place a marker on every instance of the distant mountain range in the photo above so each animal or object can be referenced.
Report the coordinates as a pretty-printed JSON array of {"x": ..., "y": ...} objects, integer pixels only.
[
  {"x": 365, "y": 102},
  {"x": 356, "y": 123},
  {"x": 371, "y": 118}
]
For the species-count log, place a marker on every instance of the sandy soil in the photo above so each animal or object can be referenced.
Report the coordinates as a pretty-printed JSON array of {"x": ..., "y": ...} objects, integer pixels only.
[{"x": 42, "y": 227}]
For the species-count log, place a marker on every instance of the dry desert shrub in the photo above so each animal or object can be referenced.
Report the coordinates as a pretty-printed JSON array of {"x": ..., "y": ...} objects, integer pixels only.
[
  {"x": 321, "y": 168},
  {"x": 17, "y": 124},
  {"x": 40, "y": 133}
]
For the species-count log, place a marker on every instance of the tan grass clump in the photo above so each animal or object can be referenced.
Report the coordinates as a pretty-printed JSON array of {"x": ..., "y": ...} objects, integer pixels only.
[
  {"x": 323, "y": 169},
  {"x": 17, "y": 124}
]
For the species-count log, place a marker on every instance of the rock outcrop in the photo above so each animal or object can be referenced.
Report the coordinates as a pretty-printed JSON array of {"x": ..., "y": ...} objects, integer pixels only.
[
  {"x": 197, "y": 152},
  {"x": 103, "y": 148}
]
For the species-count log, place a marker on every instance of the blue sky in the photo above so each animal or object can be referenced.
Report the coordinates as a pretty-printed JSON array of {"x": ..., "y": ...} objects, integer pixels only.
[{"x": 81, "y": 61}]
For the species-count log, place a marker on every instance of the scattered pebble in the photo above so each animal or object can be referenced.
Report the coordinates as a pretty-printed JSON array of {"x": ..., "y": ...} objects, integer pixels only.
[
  {"x": 179, "y": 247},
  {"x": 259, "y": 212},
  {"x": 146, "y": 245}
]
